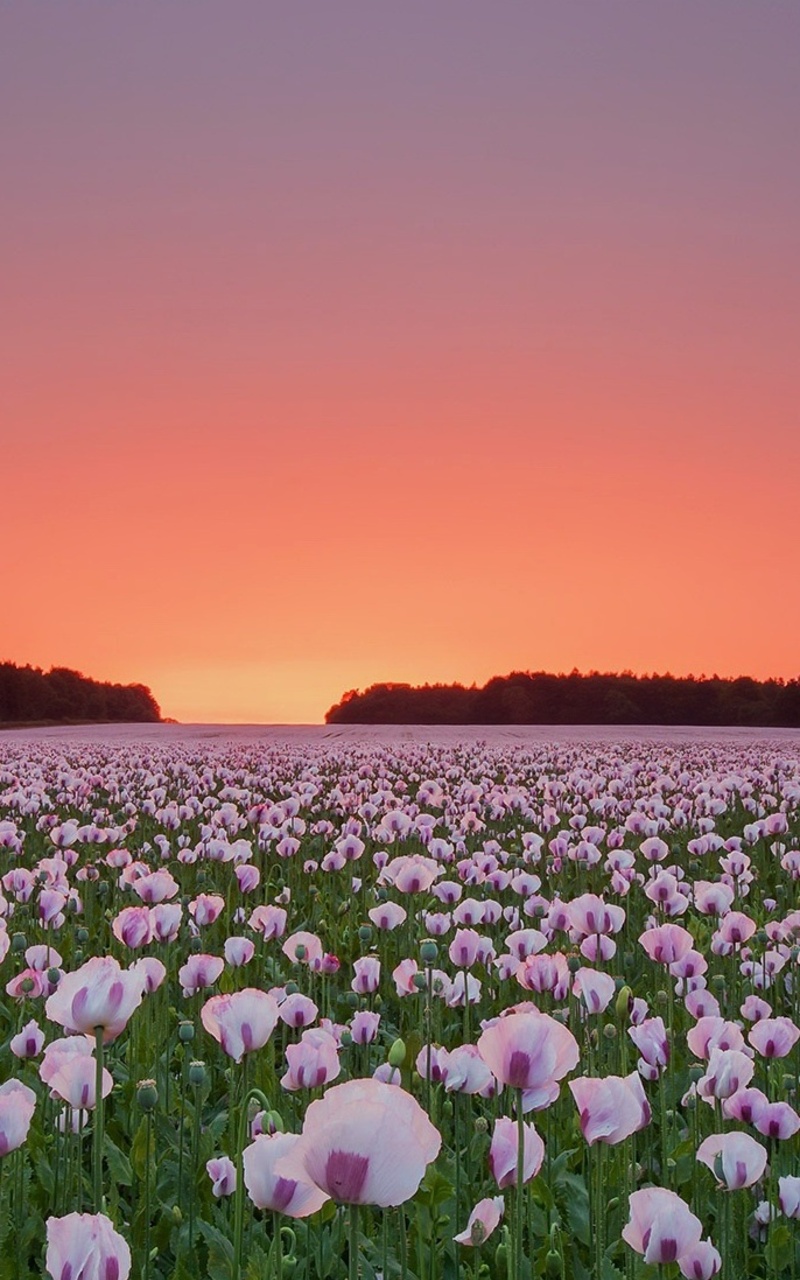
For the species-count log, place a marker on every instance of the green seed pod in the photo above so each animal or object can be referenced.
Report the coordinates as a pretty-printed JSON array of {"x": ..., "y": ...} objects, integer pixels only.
[
  {"x": 429, "y": 952},
  {"x": 610, "y": 1031},
  {"x": 365, "y": 933},
  {"x": 197, "y": 1073},
  {"x": 19, "y": 942},
  {"x": 147, "y": 1095},
  {"x": 185, "y": 1031}
]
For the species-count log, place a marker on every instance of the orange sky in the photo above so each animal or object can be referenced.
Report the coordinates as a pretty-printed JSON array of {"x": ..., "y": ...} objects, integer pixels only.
[{"x": 405, "y": 350}]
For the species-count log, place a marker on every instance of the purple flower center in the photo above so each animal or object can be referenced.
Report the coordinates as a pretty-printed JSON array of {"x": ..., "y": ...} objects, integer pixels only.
[
  {"x": 345, "y": 1175},
  {"x": 518, "y": 1067},
  {"x": 282, "y": 1193}
]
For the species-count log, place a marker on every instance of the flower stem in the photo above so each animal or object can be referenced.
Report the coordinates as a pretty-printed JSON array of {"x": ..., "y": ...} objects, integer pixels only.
[
  {"x": 352, "y": 1258},
  {"x": 520, "y": 1223},
  {"x": 99, "y": 1135}
]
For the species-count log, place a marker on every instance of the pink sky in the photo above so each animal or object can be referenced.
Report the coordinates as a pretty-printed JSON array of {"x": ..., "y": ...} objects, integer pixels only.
[{"x": 344, "y": 345}]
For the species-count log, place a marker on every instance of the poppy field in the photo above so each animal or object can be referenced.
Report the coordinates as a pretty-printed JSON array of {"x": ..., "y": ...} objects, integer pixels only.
[{"x": 397, "y": 1008}]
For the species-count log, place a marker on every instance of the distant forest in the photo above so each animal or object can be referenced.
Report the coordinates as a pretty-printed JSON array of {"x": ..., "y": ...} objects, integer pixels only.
[
  {"x": 526, "y": 697},
  {"x": 61, "y": 696}
]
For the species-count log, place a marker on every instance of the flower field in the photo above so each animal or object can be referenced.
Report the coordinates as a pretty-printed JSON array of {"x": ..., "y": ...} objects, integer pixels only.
[{"x": 363, "y": 1006}]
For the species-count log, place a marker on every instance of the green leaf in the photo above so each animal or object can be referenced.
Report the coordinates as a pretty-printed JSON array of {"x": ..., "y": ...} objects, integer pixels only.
[
  {"x": 575, "y": 1205},
  {"x": 220, "y": 1252},
  {"x": 780, "y": 1247},
  {"x": 119, "y": 1166}
]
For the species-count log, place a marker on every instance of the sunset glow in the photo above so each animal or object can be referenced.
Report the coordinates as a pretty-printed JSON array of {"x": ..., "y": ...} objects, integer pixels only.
[{"x": 347, "y": 343}]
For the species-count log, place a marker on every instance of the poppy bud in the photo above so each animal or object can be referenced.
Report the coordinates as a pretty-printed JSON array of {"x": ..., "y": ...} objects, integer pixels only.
[{"x": 397, "y": 1054}]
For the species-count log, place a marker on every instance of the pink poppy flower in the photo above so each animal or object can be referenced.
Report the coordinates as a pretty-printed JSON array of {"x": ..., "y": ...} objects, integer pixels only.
[
  {"x": 728, "y": 1071},
  {"x": 364, "y": 1026},
  {"x": 545, "y": 973},
  {"x": 269, "y": 921},
  {"x": 75, "y": 1081},
  {"x": 745, "y": 1105},
  {"x": 411, "y": 874},
  {"x": 248, "y": 877},
  {"x": 611, "y": 1107},
  {"x": 404, "y": 974},
  {"x": 17, "y": 1105},
  {"x": 713, "y": 1033},
  {"x": 29, "y": 1042},
  {"x": 297, "y": 1198},
  {"x": 367, "y": 975},
  {"x": 364, "y": 1142},
  {"x": 206, "y": 908},
  {"x": 222, "y": 1172},
  {"x": 298, "y": 1010},
  {"x": 700, "y": 1003},
  {"x": 199, "y": 972},
  {"x": 666, "y": 944},
  {"x": 482, "y": 1221},
  {"x": 735, "y": 928},
  {"x": 133, "y": 927},
  {"x": 590, "y": 914},
  {"x": 466, "y": 1072},
  {"x": 238, "y": 952},
  {"x": 661, "y": 1227},
  {"x": 303, "y": 947},
  {"x": 595, "y": 988},
  {"x": 463, "y": 950},
  {"x": 789, "y": 1195},
  {"x": 156, "y": 886},
  {"x": 165, "y": 921},
  {"x": 312, "y": 1062},
  {"x": 532, "y": 1052},
  {"x": 774, "y": 1037},
  {"x": 85, "y": 1246},
  {"x": 241, "y": 1022},
  {"x": 504, "y": 1149},
  {"x": 650, "y": 1038},
  {"x": 388, "y": 915},
  {"x": 701, "y": 1262},
  {"x": 100, "y": 994},
  {"x": 735, "y": 1159},
  {"x": 777, "y": 1120}
]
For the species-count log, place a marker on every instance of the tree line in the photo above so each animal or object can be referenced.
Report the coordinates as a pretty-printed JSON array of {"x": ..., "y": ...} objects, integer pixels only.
[
  {"x": 62, "y": 696},
  {"x": 539, "y": 697}
]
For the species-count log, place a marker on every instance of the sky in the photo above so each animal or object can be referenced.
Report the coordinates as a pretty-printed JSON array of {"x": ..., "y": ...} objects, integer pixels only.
[{"x": 411, "y": 341}]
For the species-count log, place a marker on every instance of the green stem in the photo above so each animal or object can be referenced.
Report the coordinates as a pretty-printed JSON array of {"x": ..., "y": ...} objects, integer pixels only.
[
  {"x": 520, "y": 1222},
  {"x": 238, "y": 1206},
  {"x": 98, "y": 1121},
  {"x": 149, "y": 1135},
  {"x": 352, "y": 1256}
]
